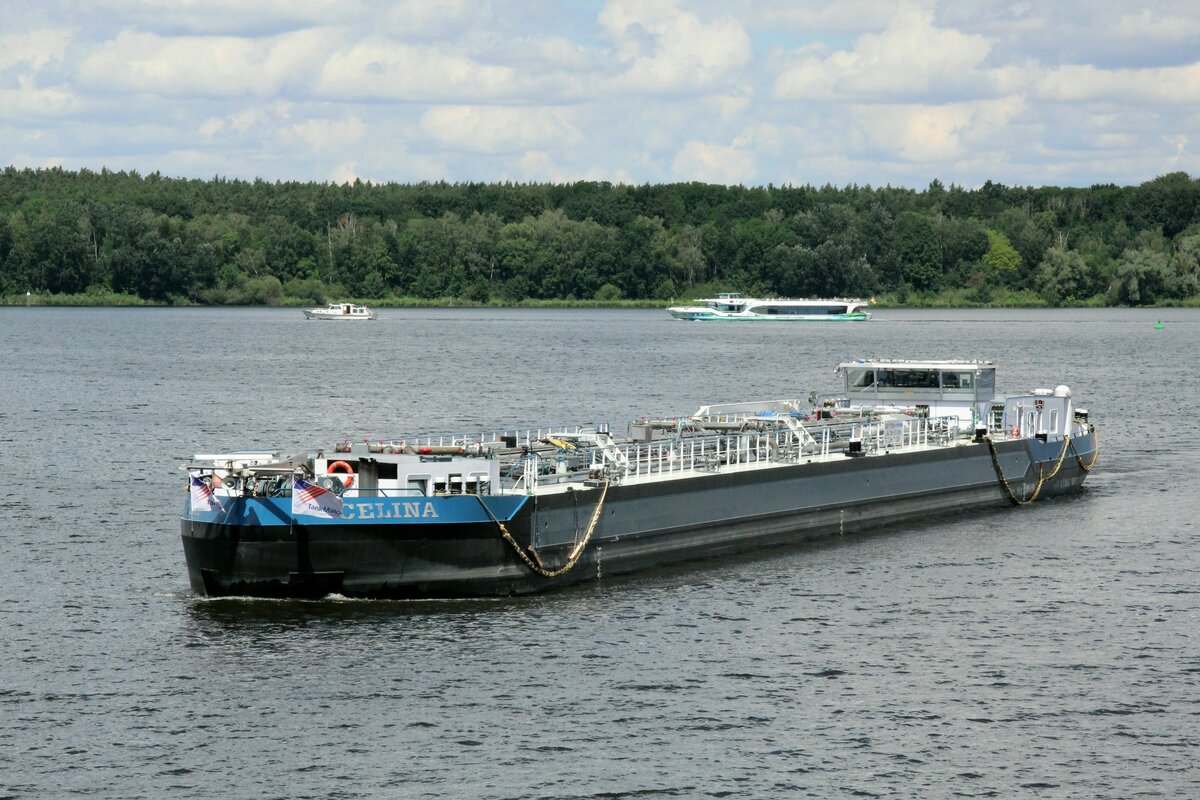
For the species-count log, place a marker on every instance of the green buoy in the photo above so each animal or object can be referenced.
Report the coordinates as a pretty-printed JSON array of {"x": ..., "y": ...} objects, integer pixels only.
[{"x": 1159, "y": 325}]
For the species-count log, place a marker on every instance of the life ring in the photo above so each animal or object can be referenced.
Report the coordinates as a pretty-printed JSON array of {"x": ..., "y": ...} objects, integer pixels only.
[
  {"x": 342, "y": 466},
  {"x": 1016, "y": 431}
]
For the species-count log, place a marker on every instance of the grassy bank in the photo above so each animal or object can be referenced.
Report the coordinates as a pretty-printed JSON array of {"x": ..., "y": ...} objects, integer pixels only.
[{"x": 950, "y": 298}]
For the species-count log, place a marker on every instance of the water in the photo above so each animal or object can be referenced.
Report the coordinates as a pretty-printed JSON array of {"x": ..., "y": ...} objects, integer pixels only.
[{"x": 1043, "y": 651}]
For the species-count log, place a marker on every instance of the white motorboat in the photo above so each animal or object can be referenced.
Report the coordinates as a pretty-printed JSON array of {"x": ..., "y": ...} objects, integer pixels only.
[{"x": 340, "y": 311}]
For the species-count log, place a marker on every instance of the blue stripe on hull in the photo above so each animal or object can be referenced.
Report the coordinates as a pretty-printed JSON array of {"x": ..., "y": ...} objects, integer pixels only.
[{"x": 277, "y": 511}]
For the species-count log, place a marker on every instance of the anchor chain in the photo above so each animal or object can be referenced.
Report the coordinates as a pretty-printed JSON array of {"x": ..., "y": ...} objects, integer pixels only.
[{"x": 535, "y": 563}]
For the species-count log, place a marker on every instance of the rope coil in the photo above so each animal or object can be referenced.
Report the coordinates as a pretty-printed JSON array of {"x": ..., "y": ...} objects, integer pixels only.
[{"x": 535, "y": 563}]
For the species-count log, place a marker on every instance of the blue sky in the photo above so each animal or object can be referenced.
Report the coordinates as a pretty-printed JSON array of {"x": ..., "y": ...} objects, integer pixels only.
[{"x": 637, "y": 91}]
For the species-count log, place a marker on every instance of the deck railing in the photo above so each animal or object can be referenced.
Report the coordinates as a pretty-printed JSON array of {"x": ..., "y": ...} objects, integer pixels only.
[{"x": 783, "y": 444}]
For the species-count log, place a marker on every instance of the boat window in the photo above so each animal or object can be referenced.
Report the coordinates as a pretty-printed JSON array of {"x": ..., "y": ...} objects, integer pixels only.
[
  {"x": 795, "y": 310},
  {"x": 1054, "y": 421},
  {"x": 418, "y": 485},
  {"x": 906, "y": 379},
  {"x": 958, "y": 381},
  {"x": 387, "y": 472},
  {"x": 860, "y": 378}
]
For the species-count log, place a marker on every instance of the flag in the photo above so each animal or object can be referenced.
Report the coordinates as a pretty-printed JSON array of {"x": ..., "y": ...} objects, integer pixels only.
[
  {"x": 203, "y": 498},
  {"x": 313, "y": 501}
]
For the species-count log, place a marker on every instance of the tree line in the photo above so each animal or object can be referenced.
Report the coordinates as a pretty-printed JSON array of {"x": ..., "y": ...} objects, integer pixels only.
[{"x": 221, "y": 241}]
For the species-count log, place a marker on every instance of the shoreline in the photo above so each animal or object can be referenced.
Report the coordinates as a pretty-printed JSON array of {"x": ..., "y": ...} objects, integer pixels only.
[{"x": 78, "y": 301}]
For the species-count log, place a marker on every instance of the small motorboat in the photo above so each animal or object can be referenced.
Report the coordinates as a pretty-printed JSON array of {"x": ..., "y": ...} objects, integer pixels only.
[{"x": 340, "y": 311}]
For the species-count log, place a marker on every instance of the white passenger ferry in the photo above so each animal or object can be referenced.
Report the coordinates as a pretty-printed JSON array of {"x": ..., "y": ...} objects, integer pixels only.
[
  {"x": 340, "y": 311},
  {"x": 732, "y": 306}
]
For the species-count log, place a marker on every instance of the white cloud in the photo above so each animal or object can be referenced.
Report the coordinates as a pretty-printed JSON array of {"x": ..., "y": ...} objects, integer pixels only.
[
  {"x": 227, "y": 16},
  {"x": 1145, "y": 24},
  {"x": 28, "y": 100},
  {"x": 1075, "y": 83},
  {"x": 425, "y": 19},
  {"x": 731, "y": 107},
  {"x": 34, "y": 48},
  {"x": 206, "y": 65},
  {"x": 824, "y": 16},
  {"x": 253, "y": 119},
  {"x": 538, "y": 165},
  {"x": 563, "y": 54},
  {"x": 346, "y": 172},
  {"x": 713, "y": 163},
  {"x": 938, "y": 133},
  {"x": 497, "y": 129},
  {"x": 389, "y": 70},
  {"x": 669, "y": 50},
  {"x": 324, "y": 135},
  {"x": 870, "y": 91},
  {"x": 912, "y": 60}
]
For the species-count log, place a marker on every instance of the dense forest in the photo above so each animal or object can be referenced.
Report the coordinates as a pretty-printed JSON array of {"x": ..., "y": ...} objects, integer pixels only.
[{"x": 112, "y": 235}]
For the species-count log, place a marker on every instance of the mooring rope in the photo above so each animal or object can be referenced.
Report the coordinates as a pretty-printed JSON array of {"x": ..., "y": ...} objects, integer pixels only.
[
  {"x": 535, "y": 563},
  {"x": 1095, "y": 453},
  {"x": 1042, "y": 476},
  {"x": 1000, "y": 472}
]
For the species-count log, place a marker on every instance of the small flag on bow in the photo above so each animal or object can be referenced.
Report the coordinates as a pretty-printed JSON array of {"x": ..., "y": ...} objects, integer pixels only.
[
  {"x": 311, "y": 500},
  {"x": 203, "y": 498}
]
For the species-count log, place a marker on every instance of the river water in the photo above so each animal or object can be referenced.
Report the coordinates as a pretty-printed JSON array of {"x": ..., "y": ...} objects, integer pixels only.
[{"x": 1049, "y": 651}]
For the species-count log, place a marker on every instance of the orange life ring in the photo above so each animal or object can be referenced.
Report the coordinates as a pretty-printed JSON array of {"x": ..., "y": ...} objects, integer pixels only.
[{"x": 342, "y": 466}]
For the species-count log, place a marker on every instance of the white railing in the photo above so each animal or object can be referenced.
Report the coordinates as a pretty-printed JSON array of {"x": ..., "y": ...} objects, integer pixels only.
[
  {"x": 528, "y": 437},
  {"x": 788, "y": 444}
]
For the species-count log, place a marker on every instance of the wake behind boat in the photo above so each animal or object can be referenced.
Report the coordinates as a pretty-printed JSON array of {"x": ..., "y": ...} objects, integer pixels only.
[
  {"x": 340, "y": 311},
  {"x": 525, "y": 511},
  {"x": 731, "y": 306}
]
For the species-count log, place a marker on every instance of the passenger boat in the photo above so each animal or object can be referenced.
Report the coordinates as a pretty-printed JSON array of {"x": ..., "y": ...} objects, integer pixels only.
[
  {"x": 340, "y": 311},
  {"x": 525, "y": 511},
  {"x": 731, "y": 306}
]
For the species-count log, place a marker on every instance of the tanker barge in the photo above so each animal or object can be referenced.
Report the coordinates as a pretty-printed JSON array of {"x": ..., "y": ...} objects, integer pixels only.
[{"x": 525, "y": 511}]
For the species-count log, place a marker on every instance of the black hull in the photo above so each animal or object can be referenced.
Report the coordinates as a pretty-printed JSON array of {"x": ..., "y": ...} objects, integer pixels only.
[{"x": 641, "y": 526}]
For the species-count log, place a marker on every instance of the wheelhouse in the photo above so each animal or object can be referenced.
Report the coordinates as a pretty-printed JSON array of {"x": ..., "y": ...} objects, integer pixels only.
[
  {"x": 965, "y": 388},
  {"x": 730, "y": 302}
]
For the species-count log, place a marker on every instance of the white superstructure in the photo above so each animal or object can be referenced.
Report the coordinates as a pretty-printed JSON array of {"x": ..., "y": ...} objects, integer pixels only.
[{"x": 732, "y": 306}]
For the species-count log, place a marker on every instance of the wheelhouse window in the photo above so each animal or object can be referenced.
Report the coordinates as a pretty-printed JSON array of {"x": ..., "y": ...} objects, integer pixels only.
[
  {"x": 860, "y": 378},
  {"x": 958, "y": 382},
  {"x": 906, "y": 379}
]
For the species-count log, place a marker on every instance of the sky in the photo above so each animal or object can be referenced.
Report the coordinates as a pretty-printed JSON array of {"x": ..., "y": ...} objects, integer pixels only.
[{"x": 866, "y": 92}]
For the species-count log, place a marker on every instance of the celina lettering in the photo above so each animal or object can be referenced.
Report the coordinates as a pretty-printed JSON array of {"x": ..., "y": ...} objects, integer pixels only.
[{"x": 394, "y": 509}]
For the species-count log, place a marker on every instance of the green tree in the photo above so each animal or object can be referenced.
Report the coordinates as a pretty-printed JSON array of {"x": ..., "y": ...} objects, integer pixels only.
[
  {"x": 1001, "y": 260},
  {"x": 1064, "y": 277},
  {"x": 608, "y": 292},
  {"x": 917, "y": 249},
  {"x": 1142, "y": 277}
]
